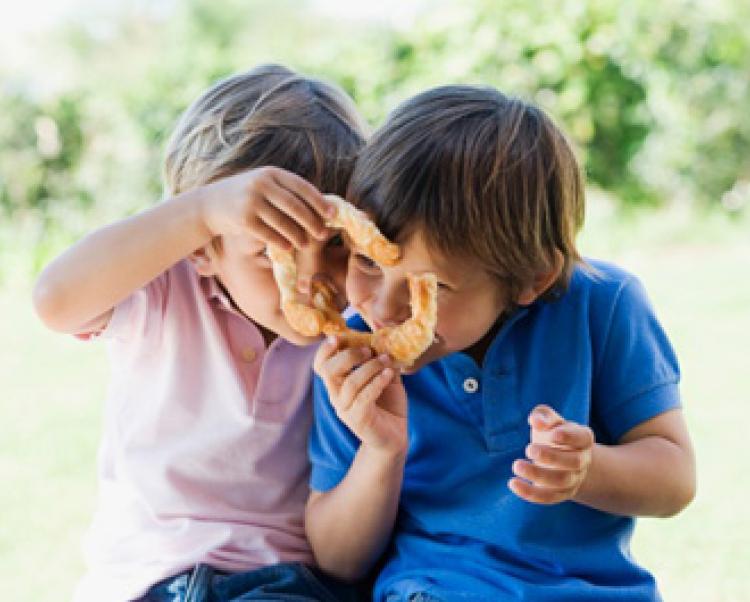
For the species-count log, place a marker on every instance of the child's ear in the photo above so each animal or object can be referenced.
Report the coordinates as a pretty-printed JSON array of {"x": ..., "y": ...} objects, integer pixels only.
[
  {"x": 203, "y": 261},
  {"x": 542, "y": 282}
]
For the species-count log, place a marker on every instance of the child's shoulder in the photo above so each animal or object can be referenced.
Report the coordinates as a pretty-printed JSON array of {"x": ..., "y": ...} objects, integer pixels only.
[
  {"x": 603, "y": 282},
  {"x": 146, "y": 314},
  {"x": 598, "y": 293}
]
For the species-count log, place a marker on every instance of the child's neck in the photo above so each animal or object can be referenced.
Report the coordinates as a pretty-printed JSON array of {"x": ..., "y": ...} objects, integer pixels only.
[
  {"x": 478, "y": 350},
  {"x": 268, "y": 335}
]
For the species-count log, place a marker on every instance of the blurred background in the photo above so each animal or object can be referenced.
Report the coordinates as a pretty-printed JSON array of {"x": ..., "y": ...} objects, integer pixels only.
[{"x": 655, "y": 96}]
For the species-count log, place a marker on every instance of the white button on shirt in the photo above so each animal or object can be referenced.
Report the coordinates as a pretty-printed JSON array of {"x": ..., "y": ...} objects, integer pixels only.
[{"x": 471, "y": 385}]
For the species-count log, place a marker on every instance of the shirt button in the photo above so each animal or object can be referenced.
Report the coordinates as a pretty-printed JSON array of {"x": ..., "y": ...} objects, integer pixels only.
[
  {"x": 471, "y": 385},
  {"x": 248, "y": 354}
]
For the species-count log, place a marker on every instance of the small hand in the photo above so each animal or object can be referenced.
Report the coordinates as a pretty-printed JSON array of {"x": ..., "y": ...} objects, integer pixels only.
[
  {"x": 560, "y": 456},
  {"x": 367, "y": 394},
  {"x": 268, "y": 204}
]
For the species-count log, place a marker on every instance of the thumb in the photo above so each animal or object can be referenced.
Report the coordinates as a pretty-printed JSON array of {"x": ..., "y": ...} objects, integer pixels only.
[{"x": 394, "y": 396}]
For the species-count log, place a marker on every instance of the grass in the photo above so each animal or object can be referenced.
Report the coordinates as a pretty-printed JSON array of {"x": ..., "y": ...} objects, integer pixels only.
[{"x": 696, "y": 271}]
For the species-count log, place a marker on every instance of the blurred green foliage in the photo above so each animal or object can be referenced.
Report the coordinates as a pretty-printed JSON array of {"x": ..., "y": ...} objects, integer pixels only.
[{"x": 654, "y": 95}]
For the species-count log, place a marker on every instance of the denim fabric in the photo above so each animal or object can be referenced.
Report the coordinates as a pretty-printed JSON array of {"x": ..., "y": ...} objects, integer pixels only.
[
  {"x": 418, "y": 597},
  {"x": 291, "y": 582}
]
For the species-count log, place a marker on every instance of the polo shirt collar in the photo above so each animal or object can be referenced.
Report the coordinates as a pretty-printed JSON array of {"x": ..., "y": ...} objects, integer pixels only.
[
  {"x": 493, "y": 360},
  {"x": 215, "y": 294}
]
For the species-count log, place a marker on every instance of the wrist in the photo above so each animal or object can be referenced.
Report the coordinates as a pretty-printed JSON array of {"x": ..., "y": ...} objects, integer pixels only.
[
  {"x": 583, "y": 493},
  {"x": 197, "y": 203},
  {"x": 386, "y": 459}
]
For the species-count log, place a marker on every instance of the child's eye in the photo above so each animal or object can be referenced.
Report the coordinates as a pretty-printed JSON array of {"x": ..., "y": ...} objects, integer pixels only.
[
  {"x": 336, "y": 241},
  {"x": 365, "y": 263}
]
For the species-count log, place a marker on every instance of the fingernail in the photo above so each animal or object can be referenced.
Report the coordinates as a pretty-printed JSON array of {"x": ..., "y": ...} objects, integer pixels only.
[
  {"x": 384, "y": 358},
  {"x": 532, "y": 452},
  {"x": 331, "y": 339},
  {"x": 331, "y": 210}
]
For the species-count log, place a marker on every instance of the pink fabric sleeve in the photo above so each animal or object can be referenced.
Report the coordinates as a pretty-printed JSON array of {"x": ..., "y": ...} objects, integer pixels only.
[{"x": 139, "y": 315}]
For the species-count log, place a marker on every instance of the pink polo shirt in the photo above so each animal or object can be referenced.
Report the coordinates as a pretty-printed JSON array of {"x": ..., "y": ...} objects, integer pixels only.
[{"x": 204, "y": 456}]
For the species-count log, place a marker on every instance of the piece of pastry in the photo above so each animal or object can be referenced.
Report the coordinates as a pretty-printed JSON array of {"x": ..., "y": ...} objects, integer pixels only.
[{"x": 405, "y": 342}]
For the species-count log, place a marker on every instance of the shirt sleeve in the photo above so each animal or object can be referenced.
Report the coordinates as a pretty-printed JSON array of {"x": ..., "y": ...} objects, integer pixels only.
[
  {"x": 637, "y": 374},
  {"x": 332, "y": 446},
  {"x": 141, "y": 314}
]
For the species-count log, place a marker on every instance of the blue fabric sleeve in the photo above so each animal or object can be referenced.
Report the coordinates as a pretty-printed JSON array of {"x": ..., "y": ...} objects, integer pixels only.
[
  {"x": 332, "y": 445},
  {"x": 637, "y": 373}
]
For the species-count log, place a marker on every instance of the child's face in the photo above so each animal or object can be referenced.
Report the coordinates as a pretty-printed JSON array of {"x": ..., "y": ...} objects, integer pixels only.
[
  {"x": 469, "y": 299},
  {"x": 245, "y": 271}
]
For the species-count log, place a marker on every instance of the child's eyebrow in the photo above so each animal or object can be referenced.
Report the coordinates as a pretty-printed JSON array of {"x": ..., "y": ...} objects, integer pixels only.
[
  {"x": 448, "y": 272},
  {"x": 442, "y": 276}
]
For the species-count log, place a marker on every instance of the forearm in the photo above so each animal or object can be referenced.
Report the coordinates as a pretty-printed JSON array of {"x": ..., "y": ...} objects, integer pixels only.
[
  {"x": 349, "y": 526},
  {"x": 109, "y": 264},
  {"x": 651, "y": 476}
]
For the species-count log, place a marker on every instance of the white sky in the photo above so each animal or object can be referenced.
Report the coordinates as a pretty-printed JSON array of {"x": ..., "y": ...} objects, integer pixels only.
[
  {"x": 24, "y": 22},
  {"x": 29, "y": 16}
]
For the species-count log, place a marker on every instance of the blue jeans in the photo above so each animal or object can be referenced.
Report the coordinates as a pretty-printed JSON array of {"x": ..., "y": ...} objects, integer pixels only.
[
  {"x": 418, "y": 597},
  {"x": 289, "y": 582}
]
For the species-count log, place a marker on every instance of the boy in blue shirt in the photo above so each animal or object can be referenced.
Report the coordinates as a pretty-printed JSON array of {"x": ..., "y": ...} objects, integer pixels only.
[{"x": 509, "y": 462}]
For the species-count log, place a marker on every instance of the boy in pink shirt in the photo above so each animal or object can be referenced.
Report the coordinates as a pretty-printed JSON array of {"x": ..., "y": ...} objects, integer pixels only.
[{"x": 203, "y": 468}]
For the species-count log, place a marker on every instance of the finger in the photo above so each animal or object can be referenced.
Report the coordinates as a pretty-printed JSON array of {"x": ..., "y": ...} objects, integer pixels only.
[
  {"x": 341, "y": 363},
  {"x": 283, "y": 225},
  {"x": 265, "y": 233},
  {"x": 324, "y": 353},
  {"x": 297, "y": 210},
  {"x": 358, "y": 380},
  {"x": 543, "y": 417},
  {"x": 305, "y": 191},
  {"x": 394, "y": 401},
  {"x": 537, "y": 495},
  {"x": 555, "y": 457},
  {"x": 573, "y": 435},
  {"x": 548, "y": 478},
  {"x": 365, "y": 403},
  {"x": 288, "y": 195}
]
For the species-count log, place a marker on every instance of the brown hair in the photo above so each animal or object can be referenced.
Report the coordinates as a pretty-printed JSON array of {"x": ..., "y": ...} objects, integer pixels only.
[
  {"x": 267, "y": 116},
  {"x": 482, "y": 176}
]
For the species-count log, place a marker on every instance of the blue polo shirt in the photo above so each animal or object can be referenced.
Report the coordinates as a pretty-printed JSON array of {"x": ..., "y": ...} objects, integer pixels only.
[{"x": 599, "y": 357}]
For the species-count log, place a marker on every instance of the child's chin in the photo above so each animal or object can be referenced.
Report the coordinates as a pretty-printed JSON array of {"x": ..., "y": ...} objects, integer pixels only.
[
  {"x": 432, "y": 353},
  {"x": 420, "y": 363}
]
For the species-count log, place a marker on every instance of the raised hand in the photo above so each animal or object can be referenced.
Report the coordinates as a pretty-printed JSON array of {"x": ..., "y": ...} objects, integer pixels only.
[
  {"x": 367, "y": 394},
  {"x": 269, "y": 204},
  {"x": 559, "y": 457}
]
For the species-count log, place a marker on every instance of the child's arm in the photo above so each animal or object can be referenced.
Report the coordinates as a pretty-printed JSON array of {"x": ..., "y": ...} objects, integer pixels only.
[
  {"x": 349, "y": 526},
  {"x": 78, "y": 291},
  {"x": 650, "y": 472}
]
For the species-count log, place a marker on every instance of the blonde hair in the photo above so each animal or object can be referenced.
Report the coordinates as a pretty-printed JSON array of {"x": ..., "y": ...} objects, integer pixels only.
[{"x": 271, "y": 116}]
